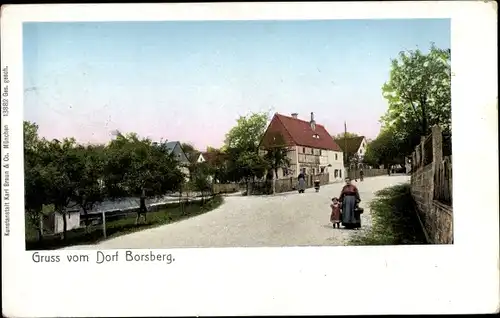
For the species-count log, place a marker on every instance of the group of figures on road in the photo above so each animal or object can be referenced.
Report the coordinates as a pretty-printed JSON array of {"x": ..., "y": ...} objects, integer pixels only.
[{"x": 345, "y": 209}]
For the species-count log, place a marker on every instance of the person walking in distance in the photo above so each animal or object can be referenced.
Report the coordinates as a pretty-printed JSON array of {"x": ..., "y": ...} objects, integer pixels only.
[
  {"x": 302, "y": 182},
  {"x": 142, "y": 208}
]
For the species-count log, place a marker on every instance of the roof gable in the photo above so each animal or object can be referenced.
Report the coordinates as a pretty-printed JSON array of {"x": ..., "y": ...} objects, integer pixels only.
[
  {"x": 350, "y": 144},
  {"x": 300, "y": 133},
  {"x": 176, "y": 148}
]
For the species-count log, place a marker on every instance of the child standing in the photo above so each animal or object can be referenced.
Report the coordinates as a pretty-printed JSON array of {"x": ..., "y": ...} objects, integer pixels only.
[{"x": 336, "y": 210}]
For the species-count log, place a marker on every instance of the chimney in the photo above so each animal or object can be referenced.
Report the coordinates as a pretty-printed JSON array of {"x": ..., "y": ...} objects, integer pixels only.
[
  {"x": 295, "y": 115},
  {"x": 312, "y": 122}
]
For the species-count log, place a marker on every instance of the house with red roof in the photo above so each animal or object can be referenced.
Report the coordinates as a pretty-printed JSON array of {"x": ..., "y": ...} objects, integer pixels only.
[
  {"x": 312, "y": 150},
  {"x": 353, "y": 146}
]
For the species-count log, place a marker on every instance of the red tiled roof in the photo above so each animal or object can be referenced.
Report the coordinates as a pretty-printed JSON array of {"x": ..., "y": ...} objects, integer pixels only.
[
  {"x": 351, "y": 144},
  {"x": 208, "y": 156},
  {"x": 213, "y": 157},
  {"x": 299, "y": 133}
]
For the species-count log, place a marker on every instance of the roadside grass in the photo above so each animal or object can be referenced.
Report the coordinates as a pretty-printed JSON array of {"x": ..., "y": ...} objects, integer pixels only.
[
  {"x": 123, "y": 226},
  {"x": 394, "y": 219}
]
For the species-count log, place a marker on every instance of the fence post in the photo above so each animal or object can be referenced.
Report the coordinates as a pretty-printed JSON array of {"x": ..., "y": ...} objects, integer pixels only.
[
  {"x": 437, "y": 156},
  {"x": 104, "y": 223},
  {"x": 422, "y": 150},
  {"x": 437, "y": 144}
]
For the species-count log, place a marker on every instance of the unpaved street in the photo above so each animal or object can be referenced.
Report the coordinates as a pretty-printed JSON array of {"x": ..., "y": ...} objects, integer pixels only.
[{"x": 288, "y": 219}]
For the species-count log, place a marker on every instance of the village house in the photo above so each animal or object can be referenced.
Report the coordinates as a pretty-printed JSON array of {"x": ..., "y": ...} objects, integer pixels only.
[
  {"x": 205, "y": 157},
  {"x": 200, "y": 158},
  {"x": 312, "y": 150},
  {"x": 179, "y": 154},
  {"x": 353, "y": 146}
]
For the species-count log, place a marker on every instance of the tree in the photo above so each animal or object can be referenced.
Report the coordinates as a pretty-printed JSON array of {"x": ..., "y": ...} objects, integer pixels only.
[
  {"x": 242, "y": 146},
  {"x": 35, "y": 182},
  {"x": 385, "y": 149},
  {"x": 343, "y": 135},
  {"x": 212, "y": 149},
  {"x": 219, "y": 165},
  {"x": 246, "y": 165},
  {"x": 371, "y": 157},
  {"x": 134, "y": 165},
  {"x": 89, "y": 188},
  {"x": 61, "y": 167},
  {"x": 419, "y": 94},
  {"x": 277, "y": 157},
  {"x": 200, "y": 180},
  {"x": 248, "y": 132}
]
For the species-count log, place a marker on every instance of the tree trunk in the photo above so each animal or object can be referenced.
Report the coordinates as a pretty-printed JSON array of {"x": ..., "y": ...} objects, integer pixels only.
[
  {"x": 247, "y": 181},
  {"x": 424, "y": 117}
]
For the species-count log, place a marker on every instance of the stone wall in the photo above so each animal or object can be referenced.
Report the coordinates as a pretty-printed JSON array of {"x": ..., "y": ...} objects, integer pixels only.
[{"x": 435, "y": 216}]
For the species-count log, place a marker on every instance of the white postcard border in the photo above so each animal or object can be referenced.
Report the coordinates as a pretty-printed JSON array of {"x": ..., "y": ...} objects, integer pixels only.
[{"x": 459, "y": 278}]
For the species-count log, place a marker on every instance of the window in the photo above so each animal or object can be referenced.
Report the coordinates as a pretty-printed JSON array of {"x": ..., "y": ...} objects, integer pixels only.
[
  {"x": 322, "y": 169},
  {"x": 303, "y": 150},
  {"x": 316, "y": 136},
  {"x": 336, "y": 157},
  {"x": 313, "y": 171},
  {"x": 320, "y": 152},
  {"x": 336, "y": 173},
  {"x": 285, "y": 172},
  {"x": 340, "y": 173}
]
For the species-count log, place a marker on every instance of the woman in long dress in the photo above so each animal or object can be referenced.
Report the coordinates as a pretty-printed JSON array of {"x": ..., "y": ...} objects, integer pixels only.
[
  {"x": 349, "y": 198},
  {"x": 302, "y": 182}
]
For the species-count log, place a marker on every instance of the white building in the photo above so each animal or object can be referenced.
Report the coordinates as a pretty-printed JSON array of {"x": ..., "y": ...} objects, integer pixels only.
[
  {"x": 200, "y": 158},
  {"x": 56, "y": 222},
  {"x": 312, "y": 150}
]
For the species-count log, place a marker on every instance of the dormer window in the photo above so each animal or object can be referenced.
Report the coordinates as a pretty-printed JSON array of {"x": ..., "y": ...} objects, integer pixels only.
[{"x": 316, "y": 136}]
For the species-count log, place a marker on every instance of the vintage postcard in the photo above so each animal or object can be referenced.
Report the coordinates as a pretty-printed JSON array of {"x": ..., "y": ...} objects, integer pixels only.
[{"x": 264, "y": 158}]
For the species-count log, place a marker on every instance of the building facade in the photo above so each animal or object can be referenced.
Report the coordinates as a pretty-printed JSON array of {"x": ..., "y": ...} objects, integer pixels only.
[
  {"x": 311, "y": 149},
  {"x": 175, "y": 147}
]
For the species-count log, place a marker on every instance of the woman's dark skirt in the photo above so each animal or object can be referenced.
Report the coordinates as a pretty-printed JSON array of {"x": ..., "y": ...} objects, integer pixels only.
[{"x": 351, "y": 219}]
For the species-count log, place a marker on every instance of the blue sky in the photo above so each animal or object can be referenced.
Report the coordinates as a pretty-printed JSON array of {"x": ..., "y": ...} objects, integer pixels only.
[{"x": 190, "y": 80}]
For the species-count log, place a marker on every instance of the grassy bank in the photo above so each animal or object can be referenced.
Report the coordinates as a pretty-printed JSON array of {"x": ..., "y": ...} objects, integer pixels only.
[
  {"x": 123, "y": 226},
  {"x": 394, "y": 219}
]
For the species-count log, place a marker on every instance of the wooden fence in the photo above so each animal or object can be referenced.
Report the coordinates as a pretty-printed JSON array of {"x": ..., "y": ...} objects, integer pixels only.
[
  {"x": 367, "y": 173},
  {"x": 432, "y": 186},
  {"x": 443, "y": 184},
  {"x": 286, "y": 184},
  {"x": 219, "y": 188}
]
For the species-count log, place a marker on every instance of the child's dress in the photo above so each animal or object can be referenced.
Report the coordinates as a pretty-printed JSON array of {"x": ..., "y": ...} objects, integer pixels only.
[{"x": 335, "y": 217}]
